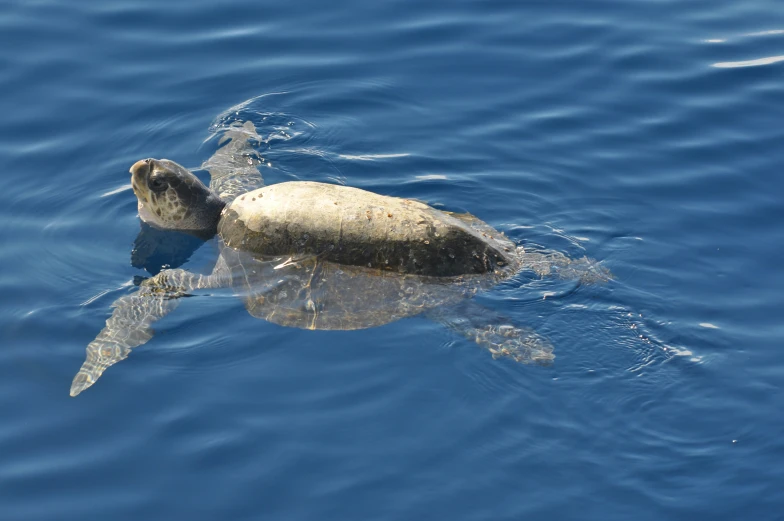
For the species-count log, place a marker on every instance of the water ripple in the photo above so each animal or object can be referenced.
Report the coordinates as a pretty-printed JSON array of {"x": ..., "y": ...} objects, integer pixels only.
[{"x": 749, "y": 63}]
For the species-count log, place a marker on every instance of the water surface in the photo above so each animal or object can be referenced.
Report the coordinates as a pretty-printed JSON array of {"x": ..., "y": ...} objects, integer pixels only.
[{"x": 646, "y": 135}]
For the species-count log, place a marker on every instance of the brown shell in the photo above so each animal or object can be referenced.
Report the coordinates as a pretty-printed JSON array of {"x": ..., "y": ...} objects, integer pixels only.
[
  {"x": 320, "y": 256},
  {"x": 359, "y": 228}
]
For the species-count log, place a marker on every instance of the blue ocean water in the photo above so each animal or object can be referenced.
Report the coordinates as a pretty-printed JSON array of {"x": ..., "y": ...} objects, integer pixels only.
[{"x": 647, "y": 135}]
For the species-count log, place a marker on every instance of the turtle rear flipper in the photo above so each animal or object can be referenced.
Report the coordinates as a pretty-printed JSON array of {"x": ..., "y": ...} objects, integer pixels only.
[
  {"x": 547, "y": 263},
  {"x": 494, "y": 332}
]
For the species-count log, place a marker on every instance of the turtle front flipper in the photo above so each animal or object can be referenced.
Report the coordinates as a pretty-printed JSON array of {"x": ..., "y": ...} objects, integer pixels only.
[
  {"x": 234, "y": 166},
  {"x": 131, "y": 321},
  {"x": 494, "y": 332}
]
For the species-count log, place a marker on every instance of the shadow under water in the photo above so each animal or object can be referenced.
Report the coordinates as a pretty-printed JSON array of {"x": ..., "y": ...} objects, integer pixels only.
[{"x": 155, "y": 249}]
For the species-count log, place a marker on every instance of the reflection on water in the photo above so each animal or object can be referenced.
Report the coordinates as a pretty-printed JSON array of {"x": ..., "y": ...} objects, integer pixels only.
[
  {"x": 750, "y": 63},
  {"x": 155, "y": 249}
]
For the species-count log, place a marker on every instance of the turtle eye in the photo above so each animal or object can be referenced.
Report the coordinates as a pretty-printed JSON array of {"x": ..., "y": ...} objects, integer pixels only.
[{"x": 157, "y": 184}]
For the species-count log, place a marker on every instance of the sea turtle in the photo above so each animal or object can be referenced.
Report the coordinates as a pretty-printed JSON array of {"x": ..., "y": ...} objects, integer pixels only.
[{"x": 321, "y": 256}]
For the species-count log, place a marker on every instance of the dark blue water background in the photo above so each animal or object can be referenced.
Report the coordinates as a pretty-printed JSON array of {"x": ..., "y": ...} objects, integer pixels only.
[{"x": 648, "y": 135}]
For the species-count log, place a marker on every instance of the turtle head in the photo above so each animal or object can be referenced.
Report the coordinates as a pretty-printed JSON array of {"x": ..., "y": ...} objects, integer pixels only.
[{"x": 172, "y": 198}]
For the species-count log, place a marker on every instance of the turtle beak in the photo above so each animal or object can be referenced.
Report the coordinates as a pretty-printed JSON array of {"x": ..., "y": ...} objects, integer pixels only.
[{"x": 140, "y": 169}]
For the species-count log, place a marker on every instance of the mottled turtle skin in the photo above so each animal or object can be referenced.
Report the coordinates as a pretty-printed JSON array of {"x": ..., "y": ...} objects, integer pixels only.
[{"x": 320, "y": 256}]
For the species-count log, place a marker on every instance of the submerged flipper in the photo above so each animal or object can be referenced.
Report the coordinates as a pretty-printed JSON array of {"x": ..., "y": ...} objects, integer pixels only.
[
  {"x": 553, "y": 263},
  {"x": 234, "y": 166},
  {"x": 494, "y": 332},
  {"x": 132, "y": 318},
  {"x": 544, "y": 263}
]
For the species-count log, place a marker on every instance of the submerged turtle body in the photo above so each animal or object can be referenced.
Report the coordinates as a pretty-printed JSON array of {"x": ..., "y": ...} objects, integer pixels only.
[
  {"x": 318, "y": 294},
  {"x": 311, "y": 289},
  {"x": 321, "y": 256}
]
